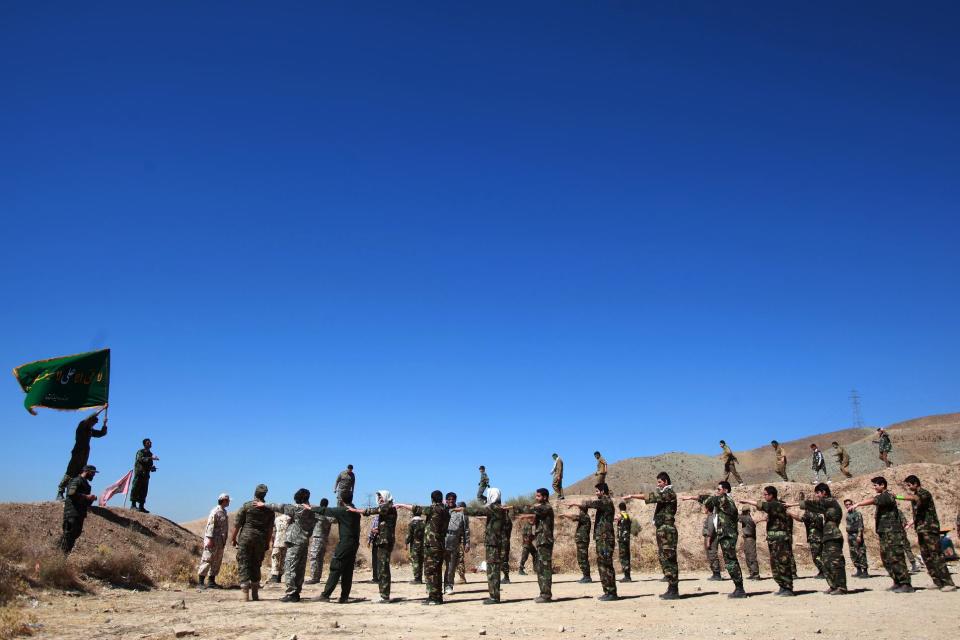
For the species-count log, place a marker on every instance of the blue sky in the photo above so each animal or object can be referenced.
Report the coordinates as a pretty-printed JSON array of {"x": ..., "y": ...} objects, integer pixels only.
[{"x": 422, "y": 237}]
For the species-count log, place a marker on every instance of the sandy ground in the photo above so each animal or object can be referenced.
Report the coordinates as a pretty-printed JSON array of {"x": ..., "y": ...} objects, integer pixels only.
[{"x": 705, "y": 612}]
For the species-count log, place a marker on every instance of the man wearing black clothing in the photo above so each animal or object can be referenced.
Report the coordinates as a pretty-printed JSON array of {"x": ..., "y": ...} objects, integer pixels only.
[{"x": 79, "y": 498}]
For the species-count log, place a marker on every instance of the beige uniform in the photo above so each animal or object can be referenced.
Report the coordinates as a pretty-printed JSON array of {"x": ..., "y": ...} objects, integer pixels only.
[
  {"x": 279, "y": 552},
  {"x": 216, "y": 532}
]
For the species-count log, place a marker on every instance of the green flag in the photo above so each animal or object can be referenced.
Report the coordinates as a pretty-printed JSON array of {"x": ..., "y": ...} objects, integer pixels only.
[{"x": 81, "y": 381}]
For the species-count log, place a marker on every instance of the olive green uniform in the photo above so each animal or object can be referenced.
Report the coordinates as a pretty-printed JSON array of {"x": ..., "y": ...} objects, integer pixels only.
[
  {"x": 664, "y": 518},
  {"x": 727, "y": 531},
  {"x": 927, "y": 524}
]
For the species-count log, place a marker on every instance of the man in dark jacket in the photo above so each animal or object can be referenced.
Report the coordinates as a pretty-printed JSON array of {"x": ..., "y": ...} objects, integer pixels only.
[
  {"x": 79, "y": 498},
  {"x": 345, "y": 553}
]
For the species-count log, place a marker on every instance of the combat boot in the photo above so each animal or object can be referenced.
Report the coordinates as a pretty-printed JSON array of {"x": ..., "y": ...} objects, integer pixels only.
[
  {"x": 200, "y": 580},
  {"x": 245, "y": 590},
  {"x": 672, "y": 593},
  {"x": 626, "y": 578},
  {"x": 506, "y": 580},
  {"x": 254, "y": 592},
  {"x": 212, "y": 582},
  {"x": 522, "y": 572},
  {"x": 716, "y": 577},
  {"x": 914, "y": 568},
  {"x": 585, "y": 580},
  {"x": 738, "y": 592}
]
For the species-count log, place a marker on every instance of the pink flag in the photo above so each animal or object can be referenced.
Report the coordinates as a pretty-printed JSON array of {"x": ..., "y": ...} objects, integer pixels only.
[{"x": 120, "y": 486}]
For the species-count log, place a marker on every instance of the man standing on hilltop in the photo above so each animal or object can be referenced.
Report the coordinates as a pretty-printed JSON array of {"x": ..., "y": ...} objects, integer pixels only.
[
  {"x": 818, "y": 464},
  {"x": 781, "y": 460},
  {"x": 343, "y": 486},
  {"x": 843, "y": 459},
  {"x": 81, "y": 450},
  {"x": 727, "y": 530},
  {"x": 557, "y": 473},
  {"x": 482, "y": 485},
  {"x": 883, "y": 442},
  {"x": 600, "y": 475},
  {"x": 142, "y": 468},
  {"x": 79, "y": 497},
  {"x": 729, "y": 464},
  {"x": 664, "y": 517}
]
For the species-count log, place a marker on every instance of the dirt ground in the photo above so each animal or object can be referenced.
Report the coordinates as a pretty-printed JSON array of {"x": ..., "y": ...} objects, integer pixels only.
[{"x": 705, "y": 612}]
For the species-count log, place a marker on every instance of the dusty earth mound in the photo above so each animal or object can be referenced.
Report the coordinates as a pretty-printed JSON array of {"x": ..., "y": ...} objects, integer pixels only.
[{"x": 635, "y": 475}]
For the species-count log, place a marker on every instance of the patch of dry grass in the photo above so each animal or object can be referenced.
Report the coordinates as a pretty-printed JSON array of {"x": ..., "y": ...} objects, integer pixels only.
[
  {"x": 119, "y": 568},
  {"x": 15, "y": 622}
]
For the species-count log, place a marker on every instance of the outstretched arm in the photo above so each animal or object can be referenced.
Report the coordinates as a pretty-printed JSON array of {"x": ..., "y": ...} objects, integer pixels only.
[
  {"x": 752, "y": 503},
  {"x": 862, "y": 503},
  {"x": 634, "y": 496}
]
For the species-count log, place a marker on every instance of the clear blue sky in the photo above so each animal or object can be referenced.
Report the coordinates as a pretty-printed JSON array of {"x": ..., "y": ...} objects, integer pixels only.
[{"x": 422, "y": 237}]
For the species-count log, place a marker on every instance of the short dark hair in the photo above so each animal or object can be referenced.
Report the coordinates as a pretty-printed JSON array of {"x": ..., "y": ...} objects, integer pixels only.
[
  {"x": 603, "y": 488},
  {"x": 324, "y": 502},
  {"x": 146, "y": 440},
  {"x": 482, "y": 468},
  {"x": 880, "y": 480},
  {"x": 302, "y": 495},
  {"x": 823, "y": 487},
  {"x": 596, "y": 453},
  {"x": 774, "y": 442},
  {"x": 260, "y": 491},
  {"x": 436, "y": 496},
  {"x": 772, "y": 490},
  {"x": 813, "y": 446},
  {"x": 663, "y": 475},
  {"x": 543, "y": 492},
  {"x": 350, "y": 466},
  {"x": 836, "y": 443},
  {"x": 451, "y": 494},
  {"x": 724, "y": 484},
  {"x": 461, "y": 504},
  {"x": 912, "y": 479},
  {"x": 846, "y": 500},
  {"x": 622, "y": 506},
  {"x": 723, "y": 442}
]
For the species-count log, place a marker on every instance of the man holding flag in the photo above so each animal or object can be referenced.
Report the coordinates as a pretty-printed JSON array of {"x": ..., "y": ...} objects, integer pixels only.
[{"x": 81, "y": 449}]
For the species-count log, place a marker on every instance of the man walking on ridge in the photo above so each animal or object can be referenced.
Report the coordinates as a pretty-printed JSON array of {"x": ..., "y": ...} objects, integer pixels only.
[
  {"x": 557, "y": 473},
  {"x": 781, "y": 460},
  {"x": 729, "y": 464}
]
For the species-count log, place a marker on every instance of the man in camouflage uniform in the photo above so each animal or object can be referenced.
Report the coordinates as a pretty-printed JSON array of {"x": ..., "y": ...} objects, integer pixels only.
[
  {"x": 464, "y": 549},
  {"x": 843, "y": 459},
  {"x": 624, "y": 533},
  {"x": 927, "y": 525},
  {"x": 214, "y": 540},
  {"x": 781, "y": 460},
  {"x": 437, "y": 518},
  {"x": 907, "y": 547},
  {"x": 557, "y": 474},
  {"x": 528, "y": 549},
  {"x": 729, "y": 464},
  {"x": 343, "y": 486},
  {"x": 318, "y": 545},
  {"x": 297, "y": 540},
  {"x": 813, "y": 524},
  {"x": 505, "y": 536},
  {"x": 81, "y": 450},
  {"x": 496, "y": 517},
  {"x": 664, "y": 518},
  {"x": 581, "y": 539},
  {"x": 344, "y": 554},
  {"x": 727, "y": 530},
  {"x": 600, "y": 475},
  {"x": 778, "y": 541},
  {"x": 542, "y": 515},
  {"x": 414, "y": 543},
  {"x": 890, "y": 532},
  {"x": 251, "y": 536},
  {"x": 142, "y": 468},
  {"x": 793, "y": 556},
  {"x": 883, "y": 442},
  {"x": 832, "y": 561},
  {"x": 384, "y": 540},
  {"x": 858, "y": 550},
  {"x": 278, "y": 551},
  {"x": 457, "y": 538},
  {"x": 482, "y": 485},
  {"x": 711, "y": 543},
  {"x": 749, "y": 534},
  {"x": 79, "y": 497}
]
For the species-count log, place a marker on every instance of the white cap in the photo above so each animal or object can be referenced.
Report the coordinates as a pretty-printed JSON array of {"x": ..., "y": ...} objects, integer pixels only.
[{"x": 223, "y": 496}]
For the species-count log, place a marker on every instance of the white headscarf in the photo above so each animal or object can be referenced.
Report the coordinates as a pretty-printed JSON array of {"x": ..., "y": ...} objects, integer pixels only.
[
  {"x": 493, "y": 496},
  {"x": 387, "y": 498}
]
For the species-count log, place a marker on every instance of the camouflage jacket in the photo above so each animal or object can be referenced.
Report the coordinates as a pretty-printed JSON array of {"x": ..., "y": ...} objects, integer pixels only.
[
  {"x": 779, "y": 523},
  {"x": 143, "y": 462},
  {"x": 748, "y": 525},
  {"x": 76, "y": 503},
  {"x": 507, "y": 530},
  {"x": 301, "y": 524},
  {"x": 624, "y": 528},
  {"x": 666, "y": 510},
  {"x": 484, "y": 480},
  {"x": 888, "y": 515},
  {"x": 832, "y": 514},
  {"x": 387, "y": 525},
  {"x": 436, "y": 517},
  {"x": 885, "y": 445},
  {"x": 582, "y": 534},
  {"x": 526, "y": 532},
  {"x": 726, "y": 510},
  {"x": 854, "y": 522},
  {"x": 813, "y": 522},
  {"x": 543, "y": 522},
  {"x": 217, "y": 526},
  {"x": 495, "y": 515},
  {"x": 253, "y": 523},
  {"x": 925, "y": 514},
  {"x": 415, "y": 531},
  {"x": 345, "y": 481},
  {"x": 322, "y": 528},
  {"x": 603, "y": 518}
]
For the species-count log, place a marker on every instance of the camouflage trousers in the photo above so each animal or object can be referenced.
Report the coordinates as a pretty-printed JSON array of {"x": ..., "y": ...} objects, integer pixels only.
[
  {"x": 892, "y": 544},
  {"x": 816, "y": 554},
  {"x": 493, "y": 571},
  {"x": 845, "y": 468},
  {"x": 278, "y": 556},
  {"x": 624, "y": 546},
  {"x": 886, "y": 459},
  {"x": 728, "y": 546},
  {"x": 730, "y": 469},
  {"x": 433, "y": 572},
  {"x": 383, "y": 569},
  {"x": 908, "y": 550},
  {"x": 139, "y": 488},
  {"x": 933, "y": 558},
  {"x": 544, "y": 566},
  {"x": 858, "y": 552},
  {"x": 527, "y": 550},
  {"x": 710, "y": 546},
  {"x": 318, "y": 549},
  {"x": 750, "y": 555},
  {"x": 505, "y": 558},
  {"x": 72, "y": 528},
  {"x": 781, "y": 561},
  {"x": 834, "y": 564},
  {"x": 558, "y": 487},
  {"x": 608, "y": 577},
  {"x": 250, "y": 554},
  {"x": 295, "y": 567},
  {"x": 210, "y": 560},
  {"x": 782, "y": 471},
  {"x": 667, "y": 552},
  {"x": 462, "y": 563},
  {"x": 583, "y": 558},
  {"x": 416, "y": 560}
]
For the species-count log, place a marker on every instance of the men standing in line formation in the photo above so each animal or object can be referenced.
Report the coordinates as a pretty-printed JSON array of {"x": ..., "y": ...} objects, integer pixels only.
[
  {"x": 624, "y": 533},
  {"x": 781, "y": 460},
  {"x": 843, "y": 459},
  {"x": 457, "y": 536},
  {"x": 727, "y": 530},
  {"x": 927, "y": 525},
  {"x": 414, "y": 543},
  {"x": 748, "y": 529},
  {"x": 504, "y": 547},
  {"x": 214, "y": 542},
  {"x": 385, "y": 538},
  {"x": 664, "y": 517},
  {"x": 541, "y": 513},
  {"x": 779, "y": 540},
  {"x": 496, "y": 517},
  {"x": 318, "y": 545},
  {"x": 529, "y": 549},
  {"x": 603, "y": 539},
  {"x": 813, "y": 524},
  {"x": 581, "y": 539},
  {"x": 464, "y": 548},
  {"x": 832, "y": 564},
  {"x": 482, "y": 485},
  {"x": 251, "y": 536},
  {"x": 892, "y": 537},
  {"x": 343, "y": 486},
  {"x": 729, "y": 464},
  {"x": 142, "y": 468},
  {"x": 711, "y": 543},
  {"x": 818, "y": 464},
  {"x": 557, "y": 474},
  {"x": 858, "y": 549},
  {"x": 600, "y": 475},
  {"x": 80, "y": 454},
  {"x": 371, "y": 536},
  {"x": 885, "y": 446},
  {"x": 345, "y": 553},
  {"x": 436, "y": 517},
  {"x": 79, "y": 497},
  {"x": 297, "y": 541}
]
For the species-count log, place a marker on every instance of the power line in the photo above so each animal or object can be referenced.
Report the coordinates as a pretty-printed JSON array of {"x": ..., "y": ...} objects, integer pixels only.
[{"x": 855, "y": 404}]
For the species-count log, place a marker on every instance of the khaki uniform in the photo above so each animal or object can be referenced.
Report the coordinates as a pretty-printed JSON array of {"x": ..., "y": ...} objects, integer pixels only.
[
  {"x": 279, "y": 552},
  {"x": 216, "y": 531}
]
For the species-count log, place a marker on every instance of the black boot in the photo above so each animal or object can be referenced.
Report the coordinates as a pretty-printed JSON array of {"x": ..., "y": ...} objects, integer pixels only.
[
  {"x": 738, "y": 592},
  {"x": 521, "y": 571},
  {"x": 672, "y": 593},
  {"x": 200, "y": 580},
  {"x": 212, "y": 582},
  {"x": 716, "y": 577}
]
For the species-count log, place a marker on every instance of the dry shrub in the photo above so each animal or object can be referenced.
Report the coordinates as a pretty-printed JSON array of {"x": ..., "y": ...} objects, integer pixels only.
[
  {"x": 10, "y": 582},
  {"x": 229, "y": 575},
  {"x": 51, "y": 569},
  {"x": 120, "y": 568},
  {"x": 174, "y": 564},
  {"x": 14, "y": 621},
  {"x": 11, "y": 545}
]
